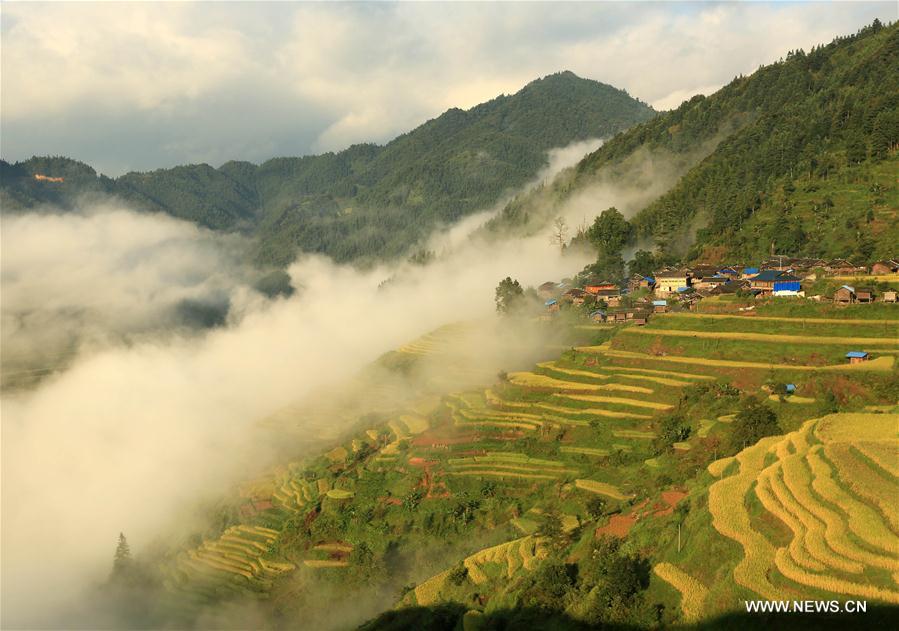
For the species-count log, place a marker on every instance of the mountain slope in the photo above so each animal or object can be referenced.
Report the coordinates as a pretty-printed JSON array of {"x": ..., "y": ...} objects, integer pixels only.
[
  {"x": 368, "y": 200},
  {"x": 795, "y": 157}
]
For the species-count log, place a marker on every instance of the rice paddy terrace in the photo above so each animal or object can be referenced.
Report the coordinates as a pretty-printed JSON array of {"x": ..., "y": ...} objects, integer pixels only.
[{"x": 805, "y": 514}]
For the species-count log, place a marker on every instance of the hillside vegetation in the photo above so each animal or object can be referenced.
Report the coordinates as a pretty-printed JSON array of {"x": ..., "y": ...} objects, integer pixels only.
[
  {"x": 798, "y": 157},
  {"x": 368, "y": 201}
]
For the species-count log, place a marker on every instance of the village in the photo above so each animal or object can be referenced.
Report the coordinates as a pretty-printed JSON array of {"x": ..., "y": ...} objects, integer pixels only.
[{"x": 636, "y": 299}]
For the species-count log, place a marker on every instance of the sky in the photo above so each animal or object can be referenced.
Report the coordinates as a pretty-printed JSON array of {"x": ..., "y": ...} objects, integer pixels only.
[{"x": 140, "y": 86}]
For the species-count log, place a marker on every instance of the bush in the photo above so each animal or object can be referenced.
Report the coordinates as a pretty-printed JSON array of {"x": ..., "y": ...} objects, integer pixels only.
[{"x": 754, "y": 421}]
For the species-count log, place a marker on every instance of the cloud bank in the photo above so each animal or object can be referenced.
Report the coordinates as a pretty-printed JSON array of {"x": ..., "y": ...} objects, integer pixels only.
[
  {"x": 139, "y": 86},
  {"x": 134, "y": 431}
]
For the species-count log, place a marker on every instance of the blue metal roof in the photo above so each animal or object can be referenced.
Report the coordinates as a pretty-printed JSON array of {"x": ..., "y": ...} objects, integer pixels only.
[
  {"x": 856, "y": 354},
  {"x": 550, "y": 302},
  {"x": 787, "y": 285},
  {"x": 681, "y": 290},
  {"x": 598, "y": 312},
  {"x": 791, "y": 387},
  {"x": 750, "y": 270},
  {"x": 652, "y": 281},
  {"x": 659, "y": 303}
]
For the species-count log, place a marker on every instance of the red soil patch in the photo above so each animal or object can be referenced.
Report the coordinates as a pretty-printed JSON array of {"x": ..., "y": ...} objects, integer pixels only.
[
  {"x": 671, "y": 499},
  {"x": 429, "y": 439},
  {"x": 618, "y": 526},
  {"x": 255, "y": 506}
]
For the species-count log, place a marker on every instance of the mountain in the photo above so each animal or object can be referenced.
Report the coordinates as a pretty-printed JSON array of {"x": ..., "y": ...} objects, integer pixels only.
[
  {"x": 799, "y": 158},
  {"x": 368, "y": 200}
]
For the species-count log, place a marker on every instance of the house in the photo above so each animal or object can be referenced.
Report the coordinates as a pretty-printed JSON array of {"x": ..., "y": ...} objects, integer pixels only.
[
  {"x": 749, "y": 272},
  {"x": 637, "y": 282},
  {"x": 598, "y": 316},
  {"x": 731, "y": 272},
  {"x": 596, "y": 286},
  {"x": 620, "y": 316},
  {"x": 857, "y": 357},
  {"x": 889, "y": 296},
  {"x": 575, "y": 296},
  {"x": 670, "y": 282},
  {"x": 710, "y": 282},
  {"x": 660, "y": 306},
  {"x": 885, "y": 267},
  {"x": 640, "y": 317},
  {"x": 845, "y": 295},
  {"x": 775, "y": 281},
  {"x": 703, "y": 271},
  {"x": 548, "y": 289},
  {"x": 864, "y": 294},
  {"x": 841, "y": 267},
  {"x": 552, "y": 305}
]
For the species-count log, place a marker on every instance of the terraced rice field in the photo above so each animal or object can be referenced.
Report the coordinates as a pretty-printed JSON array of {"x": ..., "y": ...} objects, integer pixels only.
[
  {"x": 838, "y": 504},
  {"x": 633, "y": 433},
  {"x": 591, "y": 412},
  {"x": 754, "y": 318},
  {"x": 340, "y": 494},
  {"x": 503, "y": 561},
  {"x": 586, "y": 451},
  {"x": 649, "y": 405},
  {"x": 325, "y": 563},
  {"x": 511, "y": 465},
  {"x": 790, "y": 399},
  {"x": 854, "y": 342},
  {"x": 439, "y": 341},
  {"x": 238, "y": 561},
  {"x": 693, "y": 593},
  {"x": 601, "y": 488},
  {"x": 879, "y": 364},
  {"x": 534, "y": 380}
]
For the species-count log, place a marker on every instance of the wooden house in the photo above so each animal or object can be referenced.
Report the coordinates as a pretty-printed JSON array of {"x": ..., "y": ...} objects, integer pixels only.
[
  {"x": 640, "y": 318},
  {"x": 885, "y": 267},
  {"x": 889, "y": 296},
  {"x": 638, "y": 282},
  {"x": 575, "y": 296},
  {"x": 857, "y": 357},
  {"x": 770, "y": 281},
  {"x": 596, "y": 286},
  {"x": 845, "y": 295},
  {"x": 864, "y": 294},
  {"x": 548, "y": 289},
  {"x": 660, "y": 306},
  {"x": 842, "y": 267}
]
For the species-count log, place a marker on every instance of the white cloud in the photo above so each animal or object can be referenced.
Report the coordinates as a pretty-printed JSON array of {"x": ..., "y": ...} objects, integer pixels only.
[{"x": 195, "y": 81}]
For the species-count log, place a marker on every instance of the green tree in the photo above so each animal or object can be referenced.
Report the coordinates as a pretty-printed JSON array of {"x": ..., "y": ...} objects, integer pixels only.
[
  {"x": 122, "y": 562},
  {"x": 596, "y": 507},
  {"x": 610, "y": 232},
  {"x": 643, "y": 263},
  {"x": 509, "y": 295},
  {"x": 754, "y": 421}
]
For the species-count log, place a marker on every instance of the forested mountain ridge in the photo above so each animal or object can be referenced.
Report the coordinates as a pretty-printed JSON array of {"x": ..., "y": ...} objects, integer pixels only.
[
  {"x": 368, "y": 200},
  {"x": 807, "y": 145}
]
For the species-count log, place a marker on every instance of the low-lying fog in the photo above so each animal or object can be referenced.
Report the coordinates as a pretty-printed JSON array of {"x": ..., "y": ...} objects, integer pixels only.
[{"x": 149, "y": 414}]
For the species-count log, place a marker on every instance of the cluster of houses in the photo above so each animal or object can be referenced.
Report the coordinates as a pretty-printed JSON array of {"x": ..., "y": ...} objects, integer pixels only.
[{"x": 780, "y": 276}]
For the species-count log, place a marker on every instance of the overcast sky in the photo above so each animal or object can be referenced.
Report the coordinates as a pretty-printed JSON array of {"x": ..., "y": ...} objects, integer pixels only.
[{"x": 140, "y": 86}]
